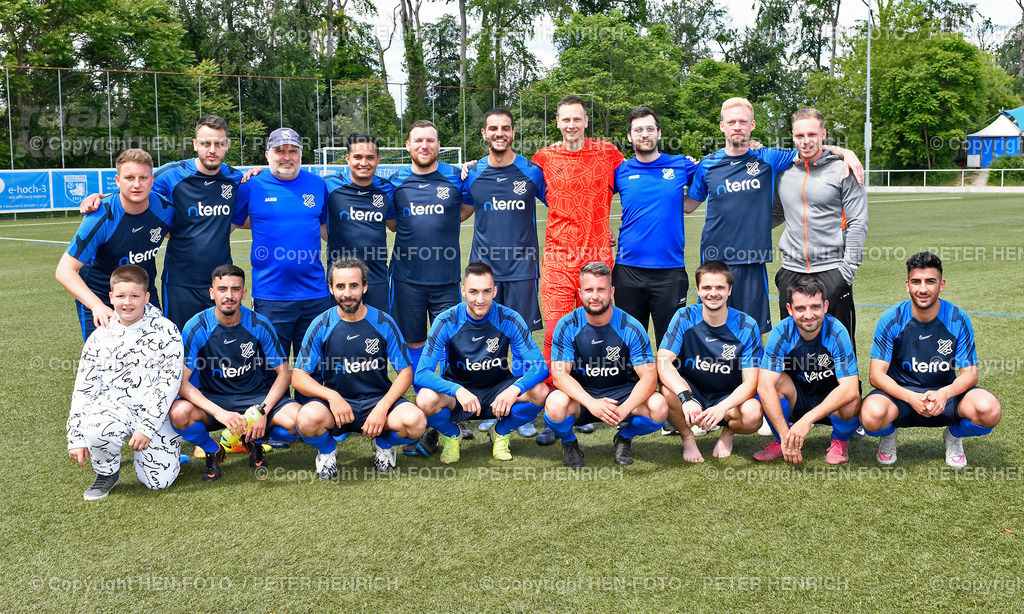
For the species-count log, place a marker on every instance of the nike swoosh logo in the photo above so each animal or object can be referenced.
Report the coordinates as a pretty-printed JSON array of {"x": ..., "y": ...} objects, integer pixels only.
[
  {"x": 209, "y": 182},
  {"x": 537, "y": 321},
  {"x": 925, "y": 337},
  {"x": 363, "y": 192},
  {"x": 351, "y": 337},
  {"x": 423, "y": 185},
  {"x": 735, "y": 163},
  {"x": 228, "y": 341},
  {"x": 134, "y": 230},
  {"x": 500, "y": 179},
  {"x": 478, "y": 338},
  {"x": 710, "y": 339},
  {"x": 596, "y": 341}
]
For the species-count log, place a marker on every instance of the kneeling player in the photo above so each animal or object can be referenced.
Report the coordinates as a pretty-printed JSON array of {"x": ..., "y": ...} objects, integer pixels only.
[
  {"x": 808, "y": 361},
  {"x": 240, "y": 363},
  {"x": 343, "y": 367},
  {"x": 471, "y": 342},
  {"x": 127, "y": 378},
  {"x": 592, "y": 351},
  {"x": 919, "y": 345},
  {"x": 708, "y": 363}
]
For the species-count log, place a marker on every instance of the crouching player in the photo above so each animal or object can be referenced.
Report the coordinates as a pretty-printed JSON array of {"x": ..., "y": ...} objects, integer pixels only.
[
  {"x": 471, "y": 342},
  {"x": 127, "y": 378},
  {"x": 707, "y": 363},
  {"x": 240, "y": 363},
  {"x": 919, "y": 346},
  {"x": 593, "y": 352},
  {"x": 343, "y": 367},
  {"x": 808, "y": 372}
]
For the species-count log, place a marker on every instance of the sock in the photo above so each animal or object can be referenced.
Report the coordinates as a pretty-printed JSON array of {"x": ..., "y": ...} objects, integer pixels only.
[
  {"x": 279, "y": 433},
  {"x": 883, "y": 432},
  {"x": 391, "y": 440},
  {"x": 562, "y": 429},
  {"x": 842, "y": 429},
  {"x": 640, "y": 425},
  {"x": 786, "y": 411},
  {"x": 966, "y": 428},
  {"x": 323, "y": 442},
  {"x": 520, "y": 414},
  {"x": 442, "y": 423},
  {"x": 342, "y": 437},
  {"x": 197, "y": 435},
  {"x": 414, "y": 359}
]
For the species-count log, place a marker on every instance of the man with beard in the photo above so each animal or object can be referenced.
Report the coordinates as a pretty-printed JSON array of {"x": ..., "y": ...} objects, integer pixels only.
[
  {"x": 595, "y": 351},
  {"x": 808, "y": 373},
  {"x": 708, "y": 364},
  {"x": 239, "y": 363},
  {"x": 919, "y": 347},
  {"x": 343, "y": 367}
]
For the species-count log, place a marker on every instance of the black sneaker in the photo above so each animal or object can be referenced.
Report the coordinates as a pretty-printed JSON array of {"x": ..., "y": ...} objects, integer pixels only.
[
  {"x": 572, "y": 456},
  {"x": 586, "y": 428},
  {"x": 546, "y": 437},
  {"x": 426, "y": 445},
  {"x": 101, "y": 486},
  {"x": 623, "y": 455},
  {"x": 213, "y": 462},
  {"x": 255, "y": 450},
  {"x": 467, "y": 433}
]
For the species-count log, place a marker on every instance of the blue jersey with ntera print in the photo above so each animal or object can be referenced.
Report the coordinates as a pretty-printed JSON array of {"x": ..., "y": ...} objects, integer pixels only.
[
  {"x": 815, "y": 365},
  {"x": 285, "y": 217},
  {"x": 740, "y": 191},
  {"x": 652, "y": 234},
  {"x": 712, "y": 358},
  {"x": 203, "y": 205},
  {"x": 474, "y": 353},
  {"x": 352, "y": 358},
  {"x": 924, "y": 354},
  {"x": 505, "y": 216},
  {"x": 110, "y": 237},
  {"x": 428, "y": 209},
  {"x": 356, "y": 223},
  {"x": 232, "y": 360},
  {"x": 603, "y": 357}
]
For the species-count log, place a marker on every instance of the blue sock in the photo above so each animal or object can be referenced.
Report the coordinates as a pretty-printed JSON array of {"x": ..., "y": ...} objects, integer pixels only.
[
  {"x": 966, "y": 428},
  {"x": 197, "y": 434},
  {"x": 414, "y": 359},
  {"x": 323, "y": 442},
  {"x": 885, "y": 432},
  {"x": 562, "y": 429},
  {"x": 442, "y": 423},
  {"x": 842, "y": 429},
  {"x": 520, "y": 414},
  {"x": 786, "y": 411},
  {"x": 640, "y": 425},
  {"x": 280, "y": 433},
  {"x": 391, "y": 440}
]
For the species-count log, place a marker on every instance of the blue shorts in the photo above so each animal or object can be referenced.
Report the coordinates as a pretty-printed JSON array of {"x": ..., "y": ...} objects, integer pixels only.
[
  {"x": 521, "y": 296},
  {"x": 238, "y": 403},
  {"x": 908, "y": 417},
  {"x": 750, "y": 293},
  {"x": 183, "y": 302},
  {"x": 410, "y": 304},
  {"x": 291, "y": 318},
  {"x": 620, "y": 394},
  {"x": 361, "y": 409},
  {"x": 486, "y": 396}
]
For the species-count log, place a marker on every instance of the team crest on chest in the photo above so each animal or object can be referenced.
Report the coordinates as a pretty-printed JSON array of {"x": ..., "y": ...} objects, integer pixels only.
[
  {"x": 728, "y": 351},
  {"x": 668, "y": 173},
  {"x": 519, "y": 187},
  {"x": 154, "y": 235},
  {"x": 945, "y": 347},
  {"x": 824, "y": 361},
  {"x": 492, "y": 345},
  {"x": 442, "y": 193},
  {"x": 309, "y": 200},
  {"x": 247, "y": 349},
  {"x": 753, "y": 168},
  {"x": 225, "y": 191},
  {"x": 611, "y": 353},
  {"x": 372, "y": 346},
  {"x": 378, "y": 200}
]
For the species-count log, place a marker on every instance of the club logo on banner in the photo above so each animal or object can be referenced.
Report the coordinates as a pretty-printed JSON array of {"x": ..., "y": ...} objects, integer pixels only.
[{"x": 75, "y": 188}]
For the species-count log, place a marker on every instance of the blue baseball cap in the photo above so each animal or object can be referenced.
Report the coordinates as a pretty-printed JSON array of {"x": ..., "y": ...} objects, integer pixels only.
[{"x": 284, "y": 136}]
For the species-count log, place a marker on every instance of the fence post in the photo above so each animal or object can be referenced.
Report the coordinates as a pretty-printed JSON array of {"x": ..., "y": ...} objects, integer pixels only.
[
  {"x": 10, "y": 112},
  {"x": 280, "y": 100},
  {"x": 367, "y": 108},
  {"x": 330, "y": 88},
  {"x": 110, "y": 134},
  {"x": 156, "y": 112},
  {"x": 241, "y": 149},
  {"x": 200, "y": 78},
  {"x": 60, "y": 116},
  {"x": 316, "y": 88}
]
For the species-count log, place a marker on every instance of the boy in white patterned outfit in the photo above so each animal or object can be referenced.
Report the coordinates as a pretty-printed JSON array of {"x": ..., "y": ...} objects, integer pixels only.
[{"x": 127, "y": 378}]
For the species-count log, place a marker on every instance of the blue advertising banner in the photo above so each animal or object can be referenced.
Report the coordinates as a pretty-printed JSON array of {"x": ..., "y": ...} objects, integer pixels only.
[{"x": 24, "y": 190}]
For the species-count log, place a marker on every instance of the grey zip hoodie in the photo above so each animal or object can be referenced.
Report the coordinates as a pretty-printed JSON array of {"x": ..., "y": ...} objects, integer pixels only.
[{"x": 813, "y": 199}]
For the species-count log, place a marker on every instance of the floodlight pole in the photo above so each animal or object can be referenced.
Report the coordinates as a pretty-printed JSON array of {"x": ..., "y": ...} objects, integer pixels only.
[{"x": 867, "y": 119}]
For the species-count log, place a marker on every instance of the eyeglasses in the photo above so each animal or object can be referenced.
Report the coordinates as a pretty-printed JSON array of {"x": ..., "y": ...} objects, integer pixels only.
[{"x": 643, "y": 129}]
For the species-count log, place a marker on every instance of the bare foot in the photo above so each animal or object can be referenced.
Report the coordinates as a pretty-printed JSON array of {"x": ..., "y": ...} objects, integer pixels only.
[
  {"x": 723, "y": 447},
  {"x": 691, "y": 453}
]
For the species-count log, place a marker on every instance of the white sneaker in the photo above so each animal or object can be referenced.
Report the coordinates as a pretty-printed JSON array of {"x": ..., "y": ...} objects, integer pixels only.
[
  {"x": 384, "y": 459},
  {"x": 887, "y": 449},
  {"x": 765, "y": 429},
  {"x": 327, "y": 465},
  {"x": 955, "y": 456},
  {"x": 697, "y": 431}
]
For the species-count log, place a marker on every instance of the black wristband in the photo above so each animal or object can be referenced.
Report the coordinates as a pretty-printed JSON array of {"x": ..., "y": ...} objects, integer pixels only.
[{"x": 686, "y": 395}]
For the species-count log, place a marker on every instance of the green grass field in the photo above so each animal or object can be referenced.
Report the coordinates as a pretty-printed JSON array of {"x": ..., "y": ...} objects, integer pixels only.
[{"x": 527, "y": 536}]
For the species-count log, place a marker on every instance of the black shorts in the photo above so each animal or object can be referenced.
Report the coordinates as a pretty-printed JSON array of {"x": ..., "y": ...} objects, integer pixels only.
[
  {"x": 750, "y": 293},
  {"x": 410, "y": 304},
  {"x": 183, "y": 302},
  {"x": 361, "y": 411},
  {"x": 521, "y": 297},
  {"x": 620, "y": 394},
  {"x": 238, "y": 403},
  {"x": 908, "y": 417},
  {"x": 805, "y": 403},
  {"x": 486, "y": 396},
  {"x": 291, "y": 319}
]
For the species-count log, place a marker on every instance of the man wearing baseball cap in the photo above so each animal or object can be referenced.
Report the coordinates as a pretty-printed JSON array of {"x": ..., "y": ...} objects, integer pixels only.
[{"x": 287, "y": 212}]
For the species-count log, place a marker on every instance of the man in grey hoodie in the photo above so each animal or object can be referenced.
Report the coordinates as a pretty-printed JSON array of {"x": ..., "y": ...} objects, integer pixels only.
[{"x": 826, "y": 219}]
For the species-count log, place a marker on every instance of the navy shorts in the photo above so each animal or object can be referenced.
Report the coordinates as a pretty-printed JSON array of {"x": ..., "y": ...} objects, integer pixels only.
[
  {"x": 182, "y": 302},
  {"x": 706, "y": 399},
  {"x": 377, "y": 295},
  {"x": 410, "y": 304},
  {"x": 805, "y": 403},
  {"x": 908, "y": 417},
  {"x": 486, "y": 396},
  {"x": 238, "y": 403},
  {"x": 521, "y": 296},
  {"x": 291, "y": 318},
  {"x": 750, "y": 293},
  {"x": 361, "y": 409},
  {"x": 620, "y": 394}
]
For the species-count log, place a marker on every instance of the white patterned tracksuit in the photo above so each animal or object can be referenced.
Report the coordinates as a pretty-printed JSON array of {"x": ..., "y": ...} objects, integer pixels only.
[{"x": 127, "y": 379}]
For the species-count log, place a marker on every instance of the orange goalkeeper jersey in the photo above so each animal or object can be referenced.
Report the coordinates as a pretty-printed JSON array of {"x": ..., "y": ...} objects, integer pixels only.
[{"x": 579, "y": 195}]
